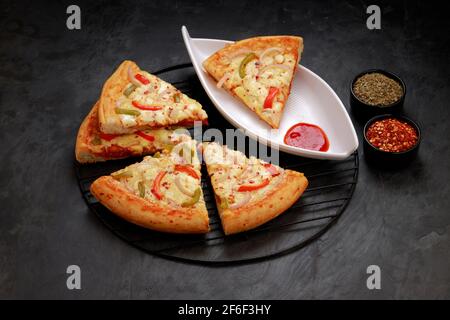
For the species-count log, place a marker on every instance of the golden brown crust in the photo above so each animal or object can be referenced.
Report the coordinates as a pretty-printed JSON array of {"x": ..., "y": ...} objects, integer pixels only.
[
  {"x": 83, "y": 152},
  {"x": 146, "y": 213},
  {"x": 278, "y": 200},
  {"x": 217, "y": 68}
]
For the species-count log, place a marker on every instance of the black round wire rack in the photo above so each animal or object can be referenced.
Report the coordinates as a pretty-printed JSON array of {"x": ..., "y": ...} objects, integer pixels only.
[{"x": 331, "y": 186}]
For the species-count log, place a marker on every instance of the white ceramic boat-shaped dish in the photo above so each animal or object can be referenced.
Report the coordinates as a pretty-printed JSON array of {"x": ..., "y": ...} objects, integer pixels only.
[{"x": 311, "y": 100}]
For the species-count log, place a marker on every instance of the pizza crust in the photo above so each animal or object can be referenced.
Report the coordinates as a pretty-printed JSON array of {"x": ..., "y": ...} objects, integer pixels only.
[
  {"x": 83, "y": 152},
  {"x": 254, "y": 214},
  {"x": 146, "y": 213},
  {"x": 112, "y": 90}
]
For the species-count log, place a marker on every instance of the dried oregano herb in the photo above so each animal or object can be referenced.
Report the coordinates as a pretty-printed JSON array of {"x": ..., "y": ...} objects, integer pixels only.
[{"x": 377, "y": 89}]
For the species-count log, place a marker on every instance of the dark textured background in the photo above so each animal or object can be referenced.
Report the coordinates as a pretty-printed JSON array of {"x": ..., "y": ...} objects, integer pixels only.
[{"x": 51, "y": 76}]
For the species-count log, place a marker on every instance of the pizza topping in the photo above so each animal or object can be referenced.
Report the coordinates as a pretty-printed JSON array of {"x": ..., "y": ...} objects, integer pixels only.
[
  {"x": 249, "y": 57},
  {"x": 187, "y": 169},
  {"x": 184, "y": 155},
  {"x": 129, "y": 90},
  {"x": 145, "y": 136},
  {"x": 279, "y": 58},
  {"x": 242, "y": 202},
  {"x": 270, "y": 97},
  {"x": 222, "y": 80},
  {"x": 107, "y": 137},
  {"x": 182, "y": 188},
  {"x": 194, "y": 199},
  {"x": 269, "y": 50},
  {"x": 131, "y": 77},
  {"x": 129, "y": 112},
  {"x": 156, "y": 185},
  {"x": 145, "y": 107},
  {"x": 272, "y": 169},
  {"x": 253, "y": 187},
  {"x": 96, "y": 141},
  {"x": 142, "y": 79},
  {"x": 141, "y": 188}
]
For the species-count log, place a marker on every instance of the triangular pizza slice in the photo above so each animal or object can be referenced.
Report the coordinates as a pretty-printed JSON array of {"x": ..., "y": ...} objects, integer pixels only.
[
  {"x": 162, "y": 192},
  {"x": 249, "y": 191},
  {"x": 259, "y": 71},
  {"x": 94, "y": 146},
  {"x": 133, "y": 99}
]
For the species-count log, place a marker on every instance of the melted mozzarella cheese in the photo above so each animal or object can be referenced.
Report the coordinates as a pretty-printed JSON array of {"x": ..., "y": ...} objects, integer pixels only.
[
  {"x": 227, "y": 174},
  {"x": 145, "y": 173}
]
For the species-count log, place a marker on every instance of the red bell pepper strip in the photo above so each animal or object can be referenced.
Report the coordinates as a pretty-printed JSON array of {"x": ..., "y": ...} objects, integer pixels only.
[
  {"x": 272, "y": 169},
  {"x": 253, "y": 187},
  {"x": 156, "y": 185},
  {"x": 144, "y": 107},
  {"x": 145, "y": 136},
  {"x": 187, "y": 169},
  {"x": 142, "y": 79},
  {"x": 270, "y": 97},
  {"x": 107, "y": 137}
]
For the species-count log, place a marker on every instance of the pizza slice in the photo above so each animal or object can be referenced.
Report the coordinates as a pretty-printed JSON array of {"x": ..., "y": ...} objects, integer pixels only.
[
  {"x": 133, "y": 99},
  {"x": 258, "y": 71},
  {"x": 162, "y": 192},
  {"x": 248, "y": 191},
  {"x": 94, "y": 146}
]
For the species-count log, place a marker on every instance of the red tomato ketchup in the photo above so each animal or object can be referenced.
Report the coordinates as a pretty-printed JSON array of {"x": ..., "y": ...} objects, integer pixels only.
[{"x": 307, "y": 136}]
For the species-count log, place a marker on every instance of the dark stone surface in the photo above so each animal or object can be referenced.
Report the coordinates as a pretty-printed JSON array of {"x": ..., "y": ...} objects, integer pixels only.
[{"x": 51, "y": 76}]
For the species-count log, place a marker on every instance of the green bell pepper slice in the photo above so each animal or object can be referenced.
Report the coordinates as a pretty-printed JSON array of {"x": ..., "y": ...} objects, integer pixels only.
[
  {"x": 249, "y": 57},
  {"x": 193, "y": 200}
]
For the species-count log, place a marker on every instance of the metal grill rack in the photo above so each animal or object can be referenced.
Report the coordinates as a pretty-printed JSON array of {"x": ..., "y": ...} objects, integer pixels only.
[{"x": 331, "y": 186}]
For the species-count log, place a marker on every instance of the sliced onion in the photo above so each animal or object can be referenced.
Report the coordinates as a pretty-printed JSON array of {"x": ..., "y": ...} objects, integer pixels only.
[
  {"x": 222, "y": 80},
  {"x": 132, "y": 79},
  {"x": 281, "y": 66},
  {"x": 182, "y": 188},
  {"x": 244, "y": 201},
  {"x": 269, "y": 50}
]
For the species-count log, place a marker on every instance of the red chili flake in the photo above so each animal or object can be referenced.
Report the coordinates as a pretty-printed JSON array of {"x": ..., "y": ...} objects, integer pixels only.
[
  {"x": 146, "y": 92},
  {"x": 392, "y": 135}
]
